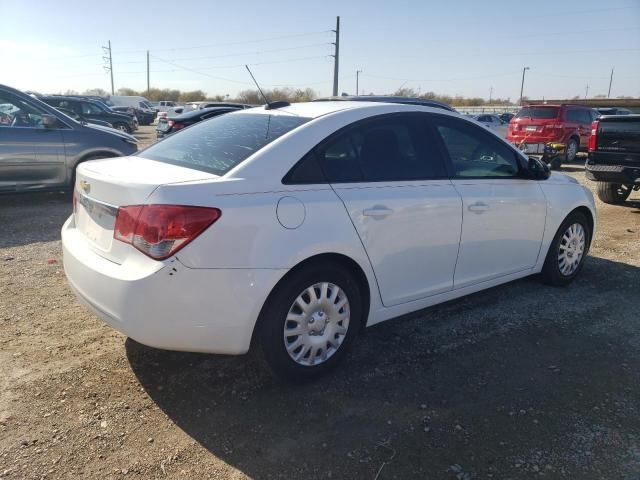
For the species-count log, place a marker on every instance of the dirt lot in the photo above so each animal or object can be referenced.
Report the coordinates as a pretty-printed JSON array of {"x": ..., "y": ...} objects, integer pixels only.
[{"x": 521, "y": 381}]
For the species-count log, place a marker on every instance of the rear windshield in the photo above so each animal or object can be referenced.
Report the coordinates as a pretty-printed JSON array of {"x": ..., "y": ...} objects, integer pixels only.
[
  {"x": 219, "y": 144},
  {"x": 538, "y": 112}
]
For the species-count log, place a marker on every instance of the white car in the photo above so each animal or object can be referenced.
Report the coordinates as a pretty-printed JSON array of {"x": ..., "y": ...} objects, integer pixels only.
[
  {"x": 493, "y": 122},
  {"x": 293, "y": 226}
]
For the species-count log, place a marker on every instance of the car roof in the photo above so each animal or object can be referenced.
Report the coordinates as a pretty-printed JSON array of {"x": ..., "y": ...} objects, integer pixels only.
[
  {"x": 387, "y": 99},
  {"x": 315, "y": 109}
]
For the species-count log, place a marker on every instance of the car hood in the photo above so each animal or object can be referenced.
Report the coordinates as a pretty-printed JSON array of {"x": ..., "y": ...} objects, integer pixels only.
[{"x": 119, "y": 133}]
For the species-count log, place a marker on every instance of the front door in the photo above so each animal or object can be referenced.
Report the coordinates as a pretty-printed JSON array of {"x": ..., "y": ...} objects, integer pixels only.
[
  {"x": 503, "y": 213},
  {"x": 31, "y": 156}
]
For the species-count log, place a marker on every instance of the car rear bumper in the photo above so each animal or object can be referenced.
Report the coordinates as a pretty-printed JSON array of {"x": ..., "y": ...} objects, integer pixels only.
[
  {"x": 613, "y": 174},
  {"x": 165, "y": 304}
]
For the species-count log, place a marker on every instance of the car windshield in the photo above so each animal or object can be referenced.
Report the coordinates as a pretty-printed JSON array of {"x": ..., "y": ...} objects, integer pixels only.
[
  {"x": 218, "y": 145},
  {"x": 538, "y": 112}
]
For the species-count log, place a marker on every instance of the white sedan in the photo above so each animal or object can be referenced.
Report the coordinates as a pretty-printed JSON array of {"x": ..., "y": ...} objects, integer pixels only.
[
  {"x": 493, "y": 123},
  {"x": 291, "y": 227}
]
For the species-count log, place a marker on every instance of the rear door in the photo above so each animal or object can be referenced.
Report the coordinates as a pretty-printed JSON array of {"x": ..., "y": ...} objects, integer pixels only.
[
  {"x": 31, "y": 156},
  {"x": 391, "y": 178},
  {"x": 503, "y": 213},
  {"x": 584, "y": 126}
]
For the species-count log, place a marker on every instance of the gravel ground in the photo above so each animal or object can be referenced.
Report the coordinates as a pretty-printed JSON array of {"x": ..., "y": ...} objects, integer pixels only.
[{"x": 521, "y": 381}]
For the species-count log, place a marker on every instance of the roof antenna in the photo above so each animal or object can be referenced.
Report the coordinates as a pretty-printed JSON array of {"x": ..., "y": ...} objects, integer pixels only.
[{"x": 270, "y": 105}]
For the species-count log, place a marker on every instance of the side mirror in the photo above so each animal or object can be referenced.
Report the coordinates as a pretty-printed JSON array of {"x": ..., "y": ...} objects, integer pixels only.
[
  {"x": 49, "y": 121},
  {"x": 537, "y": 169}
]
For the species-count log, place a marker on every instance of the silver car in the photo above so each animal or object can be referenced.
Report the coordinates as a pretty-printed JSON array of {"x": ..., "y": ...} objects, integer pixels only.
[{"x": 40, "y": 147}]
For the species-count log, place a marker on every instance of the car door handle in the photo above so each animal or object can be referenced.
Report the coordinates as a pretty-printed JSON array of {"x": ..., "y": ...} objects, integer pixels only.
[
  {"x": 478, "y": 207},
  {"x": 377, "y": 212}
]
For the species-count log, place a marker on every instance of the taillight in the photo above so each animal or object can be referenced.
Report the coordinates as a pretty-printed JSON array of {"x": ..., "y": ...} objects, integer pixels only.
[
  {"x": 159, "y": 231},
  {"x": 593, "y": 139},
  {"x": 178, "y": 125}
]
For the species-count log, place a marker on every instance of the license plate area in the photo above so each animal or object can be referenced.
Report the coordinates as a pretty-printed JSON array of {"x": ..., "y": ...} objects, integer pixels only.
[
  {"x": 533, "y": 148},
  {"x": 95, "y": 220}
]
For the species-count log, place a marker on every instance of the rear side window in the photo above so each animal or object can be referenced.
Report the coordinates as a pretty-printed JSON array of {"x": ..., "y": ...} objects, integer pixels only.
[
  {"x": 573, "y": 115},
  {"x": 538, "y": 112},
  {"x": 219, "y": 144},
  {"x": 475, "y": 153},
  {"x": 395, "y": 148}
]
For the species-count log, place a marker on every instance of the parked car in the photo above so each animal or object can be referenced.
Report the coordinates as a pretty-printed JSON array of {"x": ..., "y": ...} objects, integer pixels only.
[
  {"x": 168, "y": 125},
  {"x": 388, "y": 99},
  {"x": 290, "y": 227},
  {"x": 78, "y": 118},
  {"x": 144, "y": 111},
  {"x": 40, "y": 147},
  {"x": 534, "y": 126},
  {"x": 91, "y": 110},
  {"x": 613, "y": 111},
  {"x": 614, "y": 157},
  {"x": 204, "y": 105},
  {"x": 165, "y": 105},
  {"x": 506, "y": 117},
  {"x": 492, "y": 122}
]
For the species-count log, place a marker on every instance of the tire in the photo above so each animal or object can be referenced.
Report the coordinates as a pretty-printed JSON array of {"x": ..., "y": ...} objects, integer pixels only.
[
  {"x": 123, "y": 127},
  {"x": 556, "y": 163},
  {"x": 321, "y": 344},
  {"x": 613, "y": 193},
  {"x": 572, "y": 149},
  {"x": 562, "y": 264}
]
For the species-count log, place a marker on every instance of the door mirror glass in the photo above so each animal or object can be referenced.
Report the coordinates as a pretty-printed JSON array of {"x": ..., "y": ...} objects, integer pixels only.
[{"x": 537, "y": 169}]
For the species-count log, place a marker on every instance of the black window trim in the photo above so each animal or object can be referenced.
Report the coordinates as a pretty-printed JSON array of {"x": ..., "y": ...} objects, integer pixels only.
[
  {"x": 444, "y": 152},
  {"x": 286, "y": 180}
]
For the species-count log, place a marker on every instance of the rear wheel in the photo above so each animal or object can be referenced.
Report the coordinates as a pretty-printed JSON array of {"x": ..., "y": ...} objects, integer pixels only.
[
  {"x": 310, "y": 321},
  {"x": 567, "y": 251},
  {"x": 614, "y": 193},
  {"x": 572, "y": 149}
]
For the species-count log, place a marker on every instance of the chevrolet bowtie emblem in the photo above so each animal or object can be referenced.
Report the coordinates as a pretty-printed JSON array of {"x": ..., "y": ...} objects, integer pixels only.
[{"x": 85, "y": 186}]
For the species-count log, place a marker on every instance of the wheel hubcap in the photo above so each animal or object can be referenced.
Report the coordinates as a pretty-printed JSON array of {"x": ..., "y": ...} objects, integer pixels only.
[
  {"x": 571, "y": 249},
  {"x": 572, "y": 150},
  {"x": 316, "y": 324}
]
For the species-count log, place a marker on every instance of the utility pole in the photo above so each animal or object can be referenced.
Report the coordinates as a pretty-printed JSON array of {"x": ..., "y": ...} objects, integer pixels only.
[
  {"x": 107, "y": 51},
  {"x": 336, "y": 57},
  {"x": 522, "y": 84},
  {"x": 610, "y": 82},
  {"x": 586, "y": 91},
  {"x": 148, "y": 86},
  {"x": 491, "y": 93},
  {"x": 358, "y": 72}
]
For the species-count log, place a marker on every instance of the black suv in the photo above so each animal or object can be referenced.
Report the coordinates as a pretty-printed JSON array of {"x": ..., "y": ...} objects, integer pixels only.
[{"x": 88, "y": 110}]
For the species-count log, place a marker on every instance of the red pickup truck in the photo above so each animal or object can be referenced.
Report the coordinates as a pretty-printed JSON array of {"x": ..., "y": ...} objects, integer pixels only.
[{"x": 534, "y": 126}]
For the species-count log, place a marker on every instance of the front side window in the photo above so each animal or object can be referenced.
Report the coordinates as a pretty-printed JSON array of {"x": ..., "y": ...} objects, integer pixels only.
[
  {"x": 389, "y": 149},
  {"x": 15, "y": 112},
  {"x": 221, "y": 143},
  {"x": 475, "y": 153}
]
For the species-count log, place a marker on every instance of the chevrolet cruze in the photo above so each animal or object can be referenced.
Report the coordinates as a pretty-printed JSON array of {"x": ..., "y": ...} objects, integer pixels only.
[{"x": 291, "y": 227}]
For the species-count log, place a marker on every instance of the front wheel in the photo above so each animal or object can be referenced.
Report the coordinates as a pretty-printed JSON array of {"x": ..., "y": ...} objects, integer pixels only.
[
  {"x": 567, "y": 251},
  {"x": 123, "y": 127},
  {"x": 613, "y": 193},
  {"x": 310, "y": 321}
]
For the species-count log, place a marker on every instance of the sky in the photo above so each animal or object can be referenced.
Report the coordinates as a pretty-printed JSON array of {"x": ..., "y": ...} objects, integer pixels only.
[{"x": 468, "y": 48}]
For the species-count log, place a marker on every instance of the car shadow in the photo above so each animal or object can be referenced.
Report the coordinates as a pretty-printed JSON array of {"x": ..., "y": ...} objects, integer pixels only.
[
  {"x": 23, "y": 221},
  {"x": 421, "y": 393}
]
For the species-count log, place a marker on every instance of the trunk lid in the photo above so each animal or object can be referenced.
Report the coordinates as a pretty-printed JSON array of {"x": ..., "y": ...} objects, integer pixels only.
[{"x": 102, "y": 186}]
